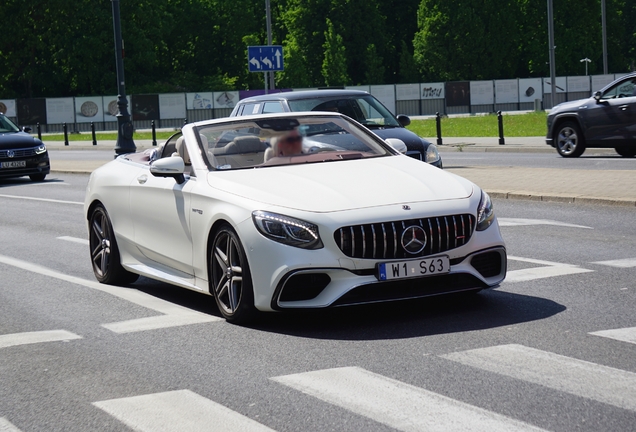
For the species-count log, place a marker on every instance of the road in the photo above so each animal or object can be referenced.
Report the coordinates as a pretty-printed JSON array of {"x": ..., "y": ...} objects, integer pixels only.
[{"x": 553, "y": 348}]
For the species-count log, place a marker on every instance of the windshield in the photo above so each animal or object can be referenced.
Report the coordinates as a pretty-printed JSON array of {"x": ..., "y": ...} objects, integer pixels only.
[
  {"x": 7, "y": 125},
  {"x": 364, "y": 109},
  {"x": 273, "y": 141}
]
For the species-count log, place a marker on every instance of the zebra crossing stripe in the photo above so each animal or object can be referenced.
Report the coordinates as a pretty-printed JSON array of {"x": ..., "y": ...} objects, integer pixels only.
[
  {"x": 6, "y": 426},
  {"x": 547, "y": 269},
  {"x": 397, "y": 404},
  {"x": 14, "y": 339},
  {"x": 180, "y": 410},
  {"x": 580, "y": 378},
  {"x": 623, "y": 334}
]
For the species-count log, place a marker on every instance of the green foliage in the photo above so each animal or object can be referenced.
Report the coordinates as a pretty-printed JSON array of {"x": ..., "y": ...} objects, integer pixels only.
[
  {"x": 334, "y": 67},
  {"x": 61, "y": 48}
]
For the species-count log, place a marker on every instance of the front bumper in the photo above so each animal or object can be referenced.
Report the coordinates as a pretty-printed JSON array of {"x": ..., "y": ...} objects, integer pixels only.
[
  {"x": 34, "y": 165},
  {"x": 328, "y": 287}
]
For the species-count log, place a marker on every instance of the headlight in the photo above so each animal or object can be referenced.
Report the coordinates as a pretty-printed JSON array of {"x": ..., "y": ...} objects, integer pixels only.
[
  {"x": 485, "y": 212},
  {"x": 41, "y": 149},
  {"x": 432, "y": 155},
  {"x": 287, "y": 230}
]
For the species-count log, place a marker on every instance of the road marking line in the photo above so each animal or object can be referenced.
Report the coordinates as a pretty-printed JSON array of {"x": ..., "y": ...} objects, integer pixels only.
[
  {"x": 580, "y": 378},
  {"x": 6, "y": 426},
  {"x": 26, "y": 338},
  {"x": 620, "y": 263},
  {"x": 622, "y": 334},
  {"x": 74, "y": 240},
  {"x": 529, "y": 222},
  {"x": 397, "y": 404},
  {"x": 549, "y": 269},
  {"x": 173, "y": 314},
  {"x": 42, "y": 199},
  {"x": 180, "y": 410}
]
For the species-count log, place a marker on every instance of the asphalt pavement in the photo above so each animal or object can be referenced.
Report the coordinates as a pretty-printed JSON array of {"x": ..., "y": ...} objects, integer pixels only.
[{"x": 607, "y": 187}]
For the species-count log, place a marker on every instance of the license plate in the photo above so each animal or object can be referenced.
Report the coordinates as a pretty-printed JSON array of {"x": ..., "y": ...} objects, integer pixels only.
[
  {"x": 414, "y": 268},
  {"x": 13, "y": 164}
]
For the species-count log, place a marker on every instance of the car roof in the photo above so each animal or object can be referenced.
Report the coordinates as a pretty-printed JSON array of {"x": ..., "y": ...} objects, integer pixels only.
[{"x": 304, "y": 94}]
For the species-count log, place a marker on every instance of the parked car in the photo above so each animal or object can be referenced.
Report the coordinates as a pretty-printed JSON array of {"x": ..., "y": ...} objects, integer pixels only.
[
  {"x": 20, "y": 153},
  {"x": 606, "y": 120},
  {"x": 212, "y": 212},
  {"x": 359, "y": 105}
]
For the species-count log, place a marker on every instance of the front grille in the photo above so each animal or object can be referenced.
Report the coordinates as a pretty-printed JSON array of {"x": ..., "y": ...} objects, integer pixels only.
[
  {"x": 384, "y": 240},
  {"x": 17, "y": 153}
]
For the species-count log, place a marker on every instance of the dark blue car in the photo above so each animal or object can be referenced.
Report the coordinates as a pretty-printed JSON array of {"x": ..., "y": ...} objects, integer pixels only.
[{"x": 20, "y": 153}]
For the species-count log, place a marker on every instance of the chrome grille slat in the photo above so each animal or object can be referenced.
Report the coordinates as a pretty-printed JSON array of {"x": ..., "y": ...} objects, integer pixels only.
[
  {"x": 17, "y": 153},
  {"x": 363, "y": 241}
]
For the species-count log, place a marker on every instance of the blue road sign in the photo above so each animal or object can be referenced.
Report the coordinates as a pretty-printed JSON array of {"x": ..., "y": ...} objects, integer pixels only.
[{"x": 265, "y": 58}]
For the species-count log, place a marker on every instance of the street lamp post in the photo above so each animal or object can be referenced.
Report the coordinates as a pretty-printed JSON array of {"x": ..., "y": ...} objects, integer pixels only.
[
  {"x": 586, "y": 60},
  {"x": 125, "y": 128}
]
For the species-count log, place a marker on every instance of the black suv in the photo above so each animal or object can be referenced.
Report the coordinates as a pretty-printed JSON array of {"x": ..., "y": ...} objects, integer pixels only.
[
  {"x": 20, "y": 153},
  {"x": 359, "y": 105},
  {"x": 606, "y": 120}
]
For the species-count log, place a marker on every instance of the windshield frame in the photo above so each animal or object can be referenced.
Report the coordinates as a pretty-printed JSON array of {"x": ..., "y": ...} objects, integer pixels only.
[{"x": 7, "y": 126}]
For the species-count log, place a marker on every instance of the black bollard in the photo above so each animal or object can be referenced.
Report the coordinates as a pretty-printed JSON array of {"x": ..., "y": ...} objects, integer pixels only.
[
  {"x": 501, "y": 132},
  {"x": 39, "y": 131},
  {"x": 154, "y": 133},
  {"x": 93, "y": 133},
  {"x": 65, "y": 134},
  {"x": 438, "y": 124}
]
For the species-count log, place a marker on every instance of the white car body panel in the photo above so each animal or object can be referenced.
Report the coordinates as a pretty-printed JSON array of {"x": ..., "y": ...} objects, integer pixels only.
[{"x": 164, "y": 229}]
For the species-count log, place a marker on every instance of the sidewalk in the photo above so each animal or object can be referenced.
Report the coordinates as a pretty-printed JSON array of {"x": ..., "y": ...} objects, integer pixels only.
[{"x": 609, "y": 187}]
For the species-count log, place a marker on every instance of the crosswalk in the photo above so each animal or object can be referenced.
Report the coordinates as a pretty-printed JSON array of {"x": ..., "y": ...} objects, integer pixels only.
[{"x": 387, "y": 401}]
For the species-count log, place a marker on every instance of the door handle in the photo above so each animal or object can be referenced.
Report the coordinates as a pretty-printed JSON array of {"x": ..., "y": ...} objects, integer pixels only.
[
  {"x": 142, "y": 179},
  {"x": 623, "y": 107}
]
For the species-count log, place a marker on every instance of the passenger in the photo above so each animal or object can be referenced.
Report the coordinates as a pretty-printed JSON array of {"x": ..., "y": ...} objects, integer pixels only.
[{"x": 288, "y": 144}]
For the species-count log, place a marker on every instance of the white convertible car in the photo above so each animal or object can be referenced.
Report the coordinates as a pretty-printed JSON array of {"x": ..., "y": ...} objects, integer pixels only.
[{"x": 349, "y": 220}]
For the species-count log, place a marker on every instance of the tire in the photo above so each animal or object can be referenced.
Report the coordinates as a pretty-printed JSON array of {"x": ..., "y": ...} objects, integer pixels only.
[
  {"x": 569, "y": 140},
  {"x": 629, "y": 152},
  {"x": 104, "y": 251},
  {"x": 230, "y": 277},
  {"x": 37, "y": 177}
]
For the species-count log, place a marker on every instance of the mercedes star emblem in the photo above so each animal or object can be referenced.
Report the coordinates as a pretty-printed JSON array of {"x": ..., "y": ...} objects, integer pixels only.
[{"x": 414, "y": 239}]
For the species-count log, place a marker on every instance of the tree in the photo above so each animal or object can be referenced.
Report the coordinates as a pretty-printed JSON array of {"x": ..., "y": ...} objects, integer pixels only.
[
  {"x": 334, "y": 67},
  {"x": 374, "y": 66},
  {"x": 407, "y": 72}
]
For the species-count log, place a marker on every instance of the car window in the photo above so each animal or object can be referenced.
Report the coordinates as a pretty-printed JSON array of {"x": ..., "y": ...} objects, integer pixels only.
[
  {"x": 272, "y": 107},
  {"x": 7, "y": 125},
  {"x": 254, "y": 143},
  {"x": 250, "y": 109},
  {"x": 365, "y": 109},
  {"x": 622, "y": 89}
]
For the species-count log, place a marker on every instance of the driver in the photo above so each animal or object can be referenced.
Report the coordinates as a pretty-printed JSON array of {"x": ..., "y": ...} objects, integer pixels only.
[{"x": 288, "y": 144}]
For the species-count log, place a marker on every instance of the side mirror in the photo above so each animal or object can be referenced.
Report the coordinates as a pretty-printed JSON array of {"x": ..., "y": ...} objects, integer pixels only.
[
  {"x": 397, "y": 144},
  {"x": 26, "y": 129},
  {"x": 404, "y": 120},
  {"x": 169, "y": 167},
  {"x": 597, "y": 95}
]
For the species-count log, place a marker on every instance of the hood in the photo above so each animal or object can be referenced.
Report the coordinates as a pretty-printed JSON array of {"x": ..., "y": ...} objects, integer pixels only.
[
  {"x": 571, "y": 105},
  {"x": 18, "y": 140},
  {"x": 412, "y": 140},
  {"x": 344, "y": 185}
]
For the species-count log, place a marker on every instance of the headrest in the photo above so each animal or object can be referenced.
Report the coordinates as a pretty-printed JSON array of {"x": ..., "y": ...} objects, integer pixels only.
[
  {"x": 182, "y": 150},
  {"x": 246, "y": 144}
]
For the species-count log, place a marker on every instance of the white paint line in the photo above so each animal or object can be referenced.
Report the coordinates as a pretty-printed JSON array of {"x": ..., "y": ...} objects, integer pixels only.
[
  {"x": 6, "y": 426},
  {"x": 580, "y": 378},
  {"x": 620, "y": 263},
  {"x": 623, "y": 334},
  {"x": 173, "y": 313},
  {"x": 396, "y": 404},
  {"x": 74, "y": 240},
  {"x": 549, "y": 269},
  {"x": 42, "y": 199},
  {"x": 26, "y": 338},
  {"x": 528, "y": 222},
  {"x": 180, "y": 410}
]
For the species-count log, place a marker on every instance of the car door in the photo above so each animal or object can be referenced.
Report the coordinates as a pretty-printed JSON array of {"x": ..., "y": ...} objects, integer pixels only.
[
  {"x": 612, "y": 120},
  {"x": 160, "y": 209}
]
